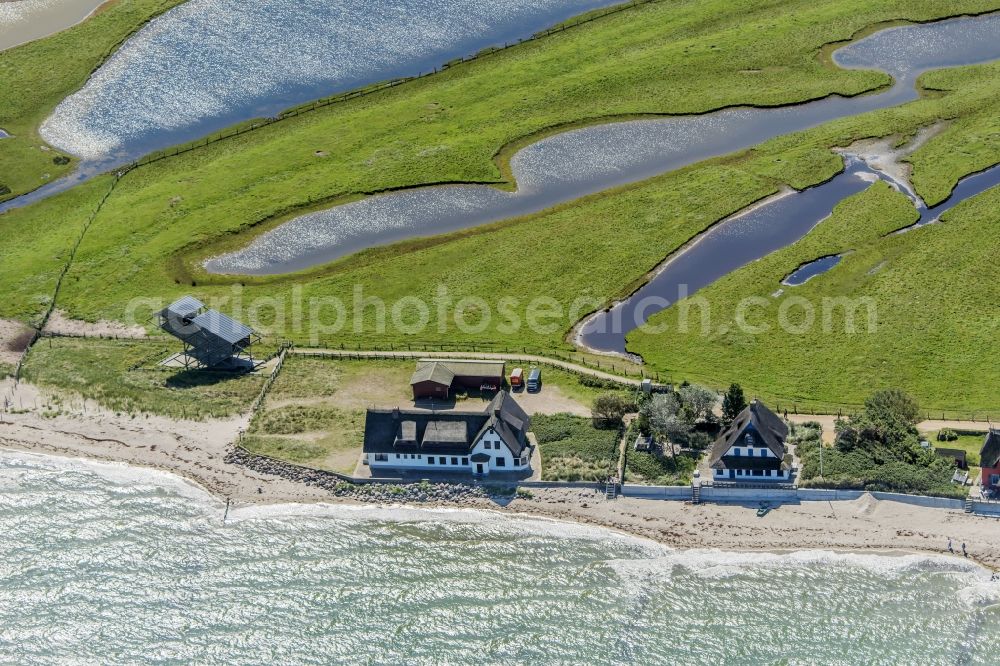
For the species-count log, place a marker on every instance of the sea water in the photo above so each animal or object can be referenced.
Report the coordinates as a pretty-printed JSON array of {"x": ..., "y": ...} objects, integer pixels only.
[{"x": 111, "y": 564}]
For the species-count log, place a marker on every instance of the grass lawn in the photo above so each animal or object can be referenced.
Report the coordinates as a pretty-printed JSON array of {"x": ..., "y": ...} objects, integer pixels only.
[
  {"x": 572, "y": 449},
  {"x": 36, "y": 76},
  {"x": 971, "y": 444},
  {"x": 124, "y": 376},
  {"x": 670, "y": 57},
  {"x": 580, "y": 388}
]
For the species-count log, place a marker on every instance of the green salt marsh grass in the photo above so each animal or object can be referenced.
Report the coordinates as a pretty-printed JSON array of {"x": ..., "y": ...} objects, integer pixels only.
[{"x": 460, "y": 126}]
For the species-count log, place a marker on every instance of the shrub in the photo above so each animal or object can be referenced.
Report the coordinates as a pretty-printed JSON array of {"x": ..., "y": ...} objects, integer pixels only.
[
  {"x": 947, "y": 435},
  {"x": 611, "y": 408},
  {"x": 643, "y": 467},
  {"x": 599, "y": 383}
]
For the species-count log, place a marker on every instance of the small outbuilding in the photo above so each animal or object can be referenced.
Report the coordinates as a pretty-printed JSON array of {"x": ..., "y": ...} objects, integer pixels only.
[
  {"x": 955, "y": 455},
  {"x": 437, "y": 378}
]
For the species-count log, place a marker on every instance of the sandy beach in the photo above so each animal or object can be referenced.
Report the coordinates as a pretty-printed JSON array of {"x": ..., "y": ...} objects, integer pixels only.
[{"x": 197, "y": 451}]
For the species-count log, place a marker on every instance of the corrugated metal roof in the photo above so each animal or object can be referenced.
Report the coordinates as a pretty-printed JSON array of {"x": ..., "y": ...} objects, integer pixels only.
[
  {"x": 214, "y": 323},
  {"x": 184, "y": 307}
]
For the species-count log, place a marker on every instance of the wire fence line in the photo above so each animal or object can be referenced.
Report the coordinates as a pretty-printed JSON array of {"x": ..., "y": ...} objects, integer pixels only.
[
  {"x": 381, "y": 86},
  {"x": 610, "y": 364},
  {"x": 59, "y": 279}
]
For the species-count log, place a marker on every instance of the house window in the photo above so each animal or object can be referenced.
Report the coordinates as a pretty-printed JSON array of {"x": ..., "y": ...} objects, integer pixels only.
[
  {"x": 444, "y": 461},
  {"x": 758, "y": 472},
  {"x": 454, "y": 461},
  {"x": 465, "y": 461},
  {"x": 501, "y": 462},
  {"x": 381, "y": 457},
  {"x": 994, "y": 479},
  {"x": 430, "y": 460}
]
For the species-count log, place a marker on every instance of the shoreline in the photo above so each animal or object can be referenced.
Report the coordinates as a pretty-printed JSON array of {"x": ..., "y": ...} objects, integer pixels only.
[
  {"x": 863, "y": 526},
  {"x": 52, "y": 18}
]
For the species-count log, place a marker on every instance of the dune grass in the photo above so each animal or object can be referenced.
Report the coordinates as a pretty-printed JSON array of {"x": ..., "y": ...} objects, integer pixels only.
[
  {"x": 659, "y": 470},
  {"x": 124, "y": 376},
  {"x": 36, "y": 76},
  {"x": 572, "y": 449},
  {"x": 322, "y": 437}
]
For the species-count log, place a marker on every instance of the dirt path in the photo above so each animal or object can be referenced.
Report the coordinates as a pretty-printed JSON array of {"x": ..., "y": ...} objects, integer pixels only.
[
  {"x": 524, "y": 359},
  {"x": 828, "y": 421}
]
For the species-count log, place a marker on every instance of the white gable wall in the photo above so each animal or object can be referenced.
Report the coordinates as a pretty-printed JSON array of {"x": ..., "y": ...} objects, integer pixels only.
[{"x": 493, "y": 445}]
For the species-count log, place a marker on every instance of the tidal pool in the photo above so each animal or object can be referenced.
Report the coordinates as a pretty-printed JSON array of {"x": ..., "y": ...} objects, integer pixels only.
[
  {"x": 579, "y": 162},
  {"x": 750, "y": 235},
  {"x": 208, "y": 64},
  {"x": 809, "y": 270}
]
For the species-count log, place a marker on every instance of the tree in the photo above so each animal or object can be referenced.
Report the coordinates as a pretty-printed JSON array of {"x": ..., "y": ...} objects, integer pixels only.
[
  {"x": 885, "y": 429},
  {"x": 733, "y": 402},
  {"x": 698, "y": 402},
  {"x": 610, "y": 408},
  {"x": 662, "y": 414},
  {"x": 892, "y": 408}
]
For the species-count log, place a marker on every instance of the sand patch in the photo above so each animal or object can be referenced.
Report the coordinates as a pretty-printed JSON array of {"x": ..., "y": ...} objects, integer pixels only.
[
  {"x": 550, "y": 400},
  {"x": 886, "y": 157},
  {"x": 60, "y": 324},
  {"x": 14, "y": 339}
]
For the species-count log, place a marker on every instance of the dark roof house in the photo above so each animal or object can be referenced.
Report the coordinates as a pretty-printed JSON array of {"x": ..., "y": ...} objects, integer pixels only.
[
  {"x": 989, "y": 455},
  {"x": 446, "y": 432},
  {"x": 753, "y": 445}
]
